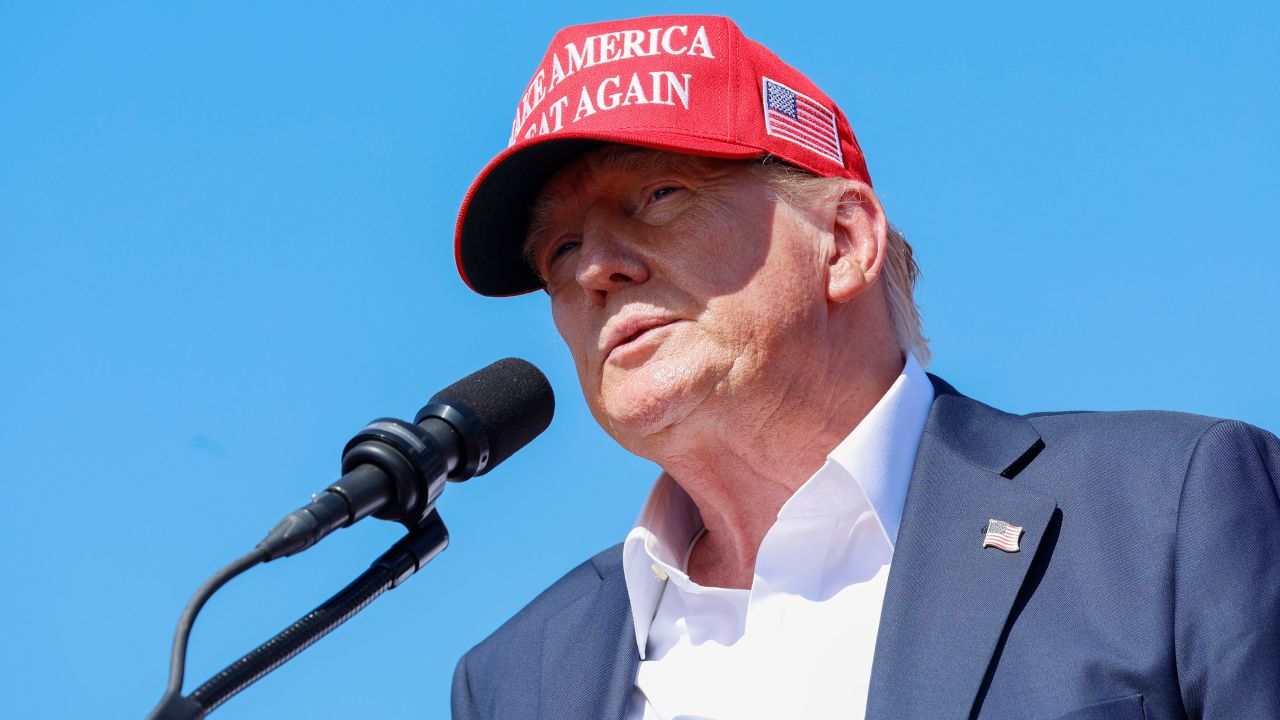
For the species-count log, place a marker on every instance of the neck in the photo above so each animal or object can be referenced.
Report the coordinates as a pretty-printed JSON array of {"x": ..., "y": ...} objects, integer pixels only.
[{"x": 746, "y": 459}]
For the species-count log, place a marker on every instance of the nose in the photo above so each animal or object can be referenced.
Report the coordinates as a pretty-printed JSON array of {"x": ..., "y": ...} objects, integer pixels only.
[{"x": 609, "y": 258}]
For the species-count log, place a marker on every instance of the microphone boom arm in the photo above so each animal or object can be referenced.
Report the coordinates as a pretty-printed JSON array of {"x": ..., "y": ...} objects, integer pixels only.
[
  {"x": 393, "y": 470},
  {"x": 408, "y": 555}
]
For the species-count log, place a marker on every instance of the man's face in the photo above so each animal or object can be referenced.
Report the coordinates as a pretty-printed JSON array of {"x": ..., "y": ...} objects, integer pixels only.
[{"x": 679, "y": 283}]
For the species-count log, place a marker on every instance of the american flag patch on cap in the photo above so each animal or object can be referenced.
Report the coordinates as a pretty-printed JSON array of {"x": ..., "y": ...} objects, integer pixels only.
[
  {"x": 1001, "y": 534},
  {"x": 797, "y": 117}
]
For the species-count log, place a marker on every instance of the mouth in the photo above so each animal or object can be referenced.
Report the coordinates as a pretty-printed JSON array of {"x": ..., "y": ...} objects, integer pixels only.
[{"x": 631, "y": 333}]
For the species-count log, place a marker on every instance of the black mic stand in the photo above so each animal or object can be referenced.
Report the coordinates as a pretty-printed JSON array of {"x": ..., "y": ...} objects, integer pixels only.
[
  {"x": 392, "y": 470},
  {"x": 392, "y": 568}
]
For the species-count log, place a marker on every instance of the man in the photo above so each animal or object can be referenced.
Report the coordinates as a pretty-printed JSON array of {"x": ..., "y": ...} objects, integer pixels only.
[{"x": 835, "y": 531}]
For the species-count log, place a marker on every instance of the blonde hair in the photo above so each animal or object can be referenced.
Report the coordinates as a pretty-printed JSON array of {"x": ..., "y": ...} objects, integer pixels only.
[{"x": 900, "y": 271}]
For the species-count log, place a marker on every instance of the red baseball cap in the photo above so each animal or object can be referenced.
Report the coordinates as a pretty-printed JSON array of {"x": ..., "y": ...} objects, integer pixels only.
[{"x": 692, "y": 84}]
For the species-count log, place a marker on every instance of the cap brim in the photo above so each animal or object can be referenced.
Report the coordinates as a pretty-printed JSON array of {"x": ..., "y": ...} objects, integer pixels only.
[{"x": 489, "y": 238}]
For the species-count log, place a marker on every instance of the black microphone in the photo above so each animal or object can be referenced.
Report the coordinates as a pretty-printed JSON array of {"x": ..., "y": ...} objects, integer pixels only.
[{"x": 395, "y": 470}]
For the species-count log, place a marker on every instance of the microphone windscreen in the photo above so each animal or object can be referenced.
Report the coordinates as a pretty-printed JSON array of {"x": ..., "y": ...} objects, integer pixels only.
[{"x": 512, "y": 401}]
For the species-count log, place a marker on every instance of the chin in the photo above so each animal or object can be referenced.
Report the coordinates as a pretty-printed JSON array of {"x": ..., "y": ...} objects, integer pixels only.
[{"x": 652, "y": 398}]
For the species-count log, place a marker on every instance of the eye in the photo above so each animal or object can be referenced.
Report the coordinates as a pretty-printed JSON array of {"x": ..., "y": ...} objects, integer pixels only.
[
  {"x": 559, "y": 250},
  {"x": 563, "y": 248},
  {"x": 663, "y": 192}
]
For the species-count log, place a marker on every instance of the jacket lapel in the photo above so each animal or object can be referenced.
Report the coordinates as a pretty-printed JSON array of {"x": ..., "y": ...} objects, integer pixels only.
[
  {"x": 589, "y": 656},
  {"x": 948, "y": 598}
]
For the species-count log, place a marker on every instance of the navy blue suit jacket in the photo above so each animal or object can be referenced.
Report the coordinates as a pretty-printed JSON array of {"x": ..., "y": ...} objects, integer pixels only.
[{"x": 1147, "y": 585}]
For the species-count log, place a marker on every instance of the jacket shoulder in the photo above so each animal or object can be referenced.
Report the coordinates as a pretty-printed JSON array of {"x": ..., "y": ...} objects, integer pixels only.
[
  {"x": 1177, "y": 431},
  {"x": 522, "y": 633},
  {"x": 1106, "y": 460},
  {"x": 499, "y": 677},
  {"x": 1152, "y": 444},
  {"x": 1122, "y": 425}
]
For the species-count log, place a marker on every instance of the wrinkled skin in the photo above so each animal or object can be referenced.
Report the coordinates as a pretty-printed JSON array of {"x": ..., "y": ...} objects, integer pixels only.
[
  {"x": 690, "y": 244},
  {"x": 712, "y": 325}
]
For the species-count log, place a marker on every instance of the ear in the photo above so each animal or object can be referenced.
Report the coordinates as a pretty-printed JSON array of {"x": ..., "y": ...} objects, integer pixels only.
[{"x": 860, "y": 234}]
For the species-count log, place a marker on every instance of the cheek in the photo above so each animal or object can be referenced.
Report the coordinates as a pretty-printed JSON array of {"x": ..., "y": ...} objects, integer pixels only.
[
  {"x": 776, "y": 311},
  {"x": 571, "y": 322},
  {"x": 721, "y": 249},
  {"x": 795, "y": 271}
]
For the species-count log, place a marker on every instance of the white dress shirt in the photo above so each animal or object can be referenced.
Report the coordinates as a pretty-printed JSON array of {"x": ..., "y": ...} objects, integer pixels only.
[{"x": 799, "y": 642}]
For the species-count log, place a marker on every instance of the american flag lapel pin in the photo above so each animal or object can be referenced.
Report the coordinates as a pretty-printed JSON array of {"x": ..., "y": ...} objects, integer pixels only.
[{"x": 1002, "y": 535}]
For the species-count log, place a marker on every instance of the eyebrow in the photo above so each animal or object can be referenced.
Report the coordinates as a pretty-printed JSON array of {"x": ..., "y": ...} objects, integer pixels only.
[
  {"x": 623, "y": 158},
  {"x": 610, "y": 161}
]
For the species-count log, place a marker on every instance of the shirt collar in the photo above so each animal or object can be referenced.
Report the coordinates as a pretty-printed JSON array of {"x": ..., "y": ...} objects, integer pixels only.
[
  {"x": 878, "y": 455},
  {"x": 881, "y": 451}
]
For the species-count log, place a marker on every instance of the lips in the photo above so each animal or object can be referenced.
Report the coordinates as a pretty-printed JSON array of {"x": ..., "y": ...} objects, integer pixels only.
[{"x": 628, "y": 330}]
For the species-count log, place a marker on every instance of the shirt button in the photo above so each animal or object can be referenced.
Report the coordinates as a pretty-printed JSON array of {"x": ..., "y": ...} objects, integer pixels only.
[{"x": 662, "y": 574}]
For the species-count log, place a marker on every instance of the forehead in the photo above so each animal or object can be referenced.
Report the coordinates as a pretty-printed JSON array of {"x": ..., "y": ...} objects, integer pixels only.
[
  {"x": 612, "y": 162},
  {"x": 605, "y": 168}
]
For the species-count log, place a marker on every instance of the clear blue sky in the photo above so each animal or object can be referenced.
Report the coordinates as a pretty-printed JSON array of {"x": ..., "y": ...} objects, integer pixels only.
[{"x": 225, "y": 239}]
